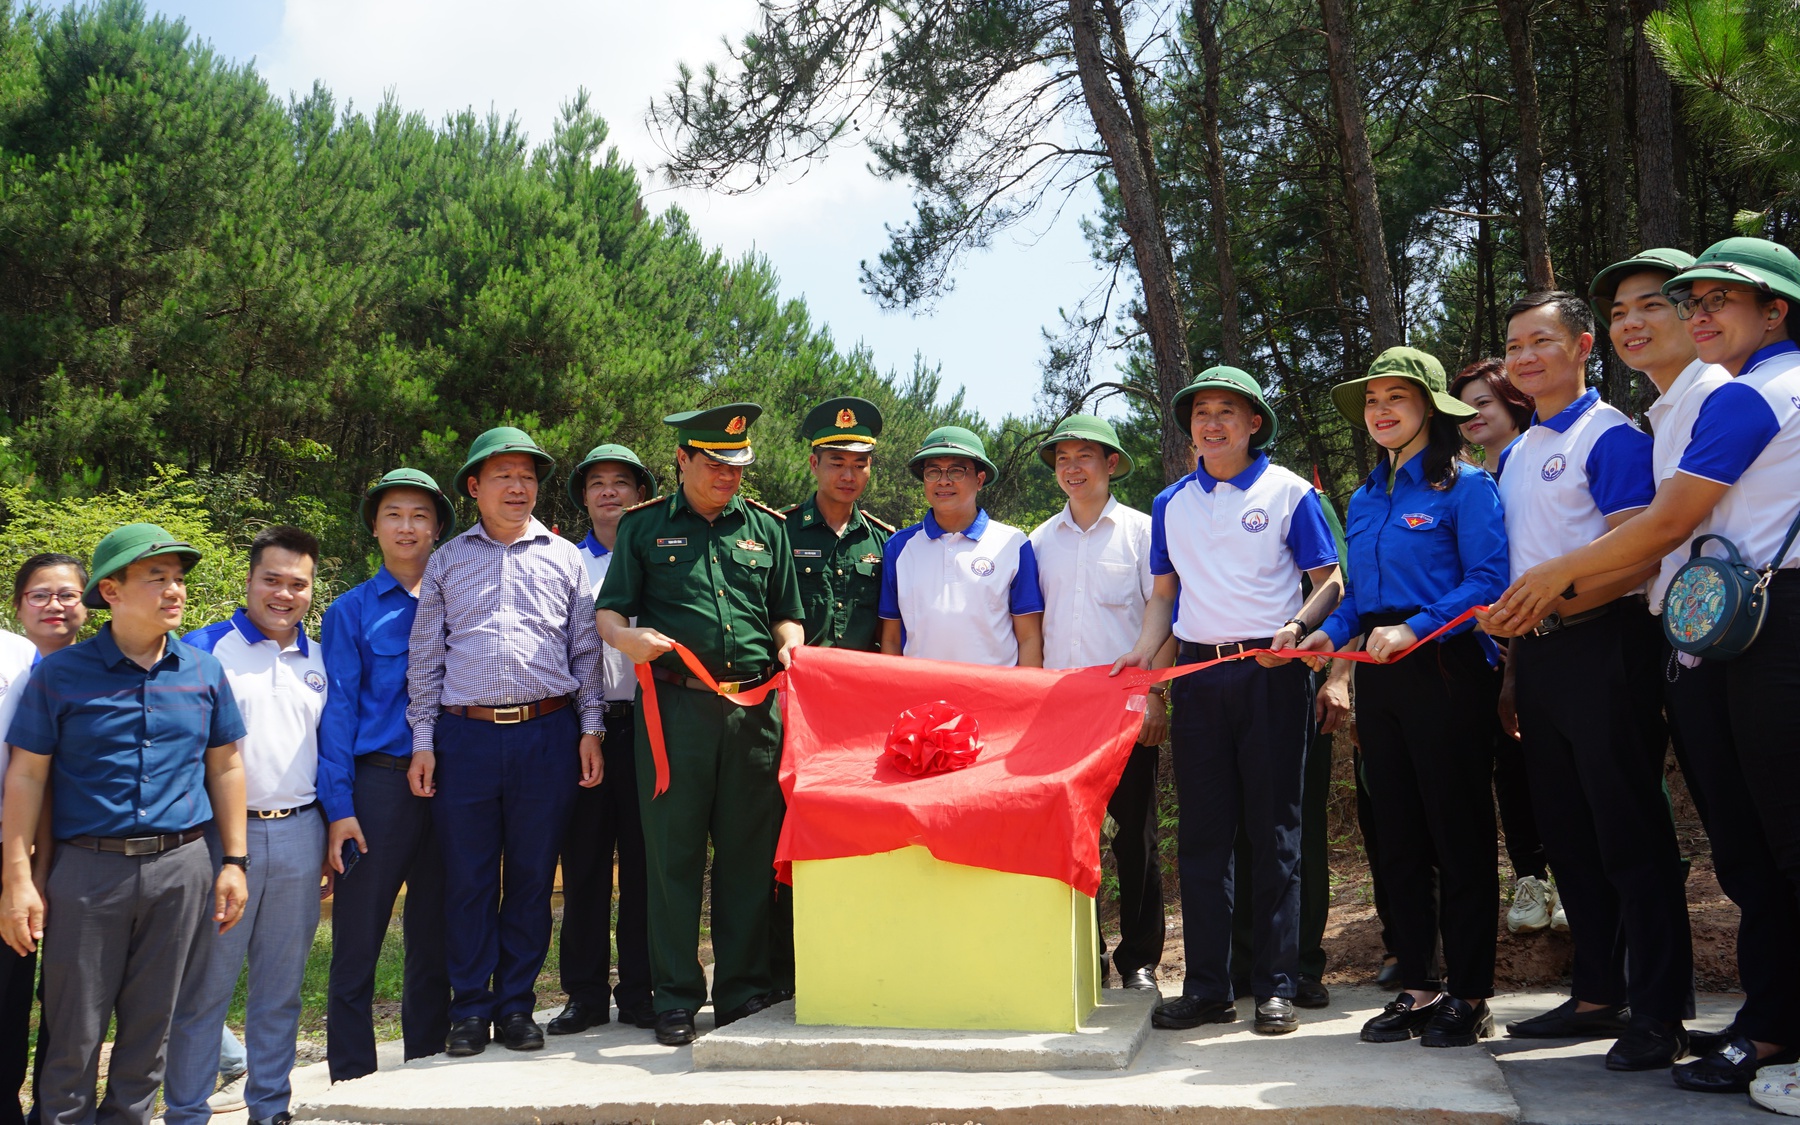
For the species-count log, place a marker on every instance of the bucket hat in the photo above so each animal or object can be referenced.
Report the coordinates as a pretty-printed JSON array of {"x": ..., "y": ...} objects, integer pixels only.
[
  {"x": 952, "y": 441},
  {"x": 1227, "y": 379},
  {"x": 1769, "y": 266},
  {"x": 1086, "y": 427},
  {"x": 501, "y": 439},
  {"x": 1416, "y": 367},
  {"x": 123, "y": 546},
  {"x": 410, "y": 478},
  {"x": 619, "y": 453}
]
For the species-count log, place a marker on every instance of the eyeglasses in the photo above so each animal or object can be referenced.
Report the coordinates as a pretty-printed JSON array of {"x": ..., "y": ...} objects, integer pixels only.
[
  {"x": 955, "y": 474},
  {"x": 38, "y": 599},
  {"x": 1718, "y": 298}
]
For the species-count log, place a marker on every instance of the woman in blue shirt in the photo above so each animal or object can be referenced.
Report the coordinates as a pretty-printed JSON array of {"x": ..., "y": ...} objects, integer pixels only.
[{"x": 1426, "y": 541}]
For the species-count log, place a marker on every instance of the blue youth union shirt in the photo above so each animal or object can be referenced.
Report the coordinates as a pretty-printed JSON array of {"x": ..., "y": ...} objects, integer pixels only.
[
  {"x": 365, "y": 639},
  {"x": 127, "y": 746}
]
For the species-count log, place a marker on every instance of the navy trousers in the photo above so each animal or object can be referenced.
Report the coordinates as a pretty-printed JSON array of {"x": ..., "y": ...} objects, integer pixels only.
[
  {"x": 503, "y": 790},
  {"x": 1239, "y": 746},
  {"x": 606, "y": 820},
  {"x": 403, "y": 850}
]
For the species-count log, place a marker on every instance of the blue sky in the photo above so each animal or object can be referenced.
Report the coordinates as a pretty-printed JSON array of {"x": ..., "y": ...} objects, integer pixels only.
[{"x": 527, "y": 56}]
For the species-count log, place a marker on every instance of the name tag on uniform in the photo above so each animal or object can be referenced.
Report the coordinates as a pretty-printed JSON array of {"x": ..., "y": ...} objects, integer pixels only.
[
  {"x": 799, "y": 554},
  {"x": 750, "y": 545},
  {"x": 681, "y": 542}
]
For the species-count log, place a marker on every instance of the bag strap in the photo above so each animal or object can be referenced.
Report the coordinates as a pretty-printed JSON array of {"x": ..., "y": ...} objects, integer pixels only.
[{"x": 1793, "y": 530}]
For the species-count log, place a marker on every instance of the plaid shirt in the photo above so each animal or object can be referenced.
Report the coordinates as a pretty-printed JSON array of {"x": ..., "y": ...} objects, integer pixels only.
[{"x": 502, "y": 625}]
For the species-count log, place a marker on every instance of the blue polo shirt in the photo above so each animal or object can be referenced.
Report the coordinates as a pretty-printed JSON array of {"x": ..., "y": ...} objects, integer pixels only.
[
  {"x": 365, "y": 639},
  {"x": 1433, "y": 551},
  {"x": 127, "y": 746}
]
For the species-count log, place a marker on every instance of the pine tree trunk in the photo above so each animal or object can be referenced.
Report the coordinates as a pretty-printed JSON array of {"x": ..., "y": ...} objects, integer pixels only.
[
  {"x": 1659, "y": 198},
  {"x": 1515, "y": 25},
  {"x": 1207, "y": 32},
  {"x": 1141, "y": 220},
  {"x": 1359, "y": 180}
]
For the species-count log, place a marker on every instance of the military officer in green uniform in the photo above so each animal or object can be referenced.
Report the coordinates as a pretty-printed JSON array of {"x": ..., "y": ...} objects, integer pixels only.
[
  {"x": 837, "y": 546},
  {"x": 713, "y": 570}
]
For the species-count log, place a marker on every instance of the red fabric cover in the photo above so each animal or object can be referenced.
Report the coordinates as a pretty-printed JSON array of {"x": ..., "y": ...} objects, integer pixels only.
[
  {"x": 1032, "y": 803},
  {"x": 935, "y": 738}
]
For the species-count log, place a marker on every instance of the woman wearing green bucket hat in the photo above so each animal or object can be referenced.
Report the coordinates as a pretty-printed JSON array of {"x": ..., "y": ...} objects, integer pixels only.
[{"x": 1426, "y": 540}]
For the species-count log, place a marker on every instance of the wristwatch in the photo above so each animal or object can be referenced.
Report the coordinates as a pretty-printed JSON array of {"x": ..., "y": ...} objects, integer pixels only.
[
  {"x": 242, "y": 861},
  {"x": 601, "y": 733}
]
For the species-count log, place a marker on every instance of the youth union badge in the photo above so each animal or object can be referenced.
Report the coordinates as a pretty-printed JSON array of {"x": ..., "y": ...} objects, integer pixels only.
[
  {"x": 1554, "y": 467},
  {"x": 1255, "y": 520},
  {"x": 982, "y": 567},
  {"x": 1416, "y": 520},
  {"x": 315, "y": 681}
]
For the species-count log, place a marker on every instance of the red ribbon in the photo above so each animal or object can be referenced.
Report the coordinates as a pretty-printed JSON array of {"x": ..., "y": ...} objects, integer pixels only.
[{"x": 1134, "y": 680}]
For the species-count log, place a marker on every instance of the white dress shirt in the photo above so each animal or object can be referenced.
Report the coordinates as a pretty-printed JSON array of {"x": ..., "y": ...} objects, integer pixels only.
[{"x": 1096, "y": 583}]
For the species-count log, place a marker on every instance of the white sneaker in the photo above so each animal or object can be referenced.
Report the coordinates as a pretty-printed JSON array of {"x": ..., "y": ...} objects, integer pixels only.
[
  {"x": 1530, "y": 906},
  {"x": 1558, "y": 920},
  {"x": 1777, "y": 1088},
  {"x": 230, "y": 1097}
]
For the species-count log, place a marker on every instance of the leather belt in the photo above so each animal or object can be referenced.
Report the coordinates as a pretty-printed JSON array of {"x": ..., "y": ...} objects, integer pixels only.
[
  {"x": 1556, "y": 622},
  {"x": 137, "y": 845},
  {"x": 619, "y": 706},
  {"x": 1188, "y": 652},
  {"x": 522, "y": 713},
  {"x": 282, "y": 814},
  {"x": 729, "y": 687},
  {"x": 386, "y": 761}
]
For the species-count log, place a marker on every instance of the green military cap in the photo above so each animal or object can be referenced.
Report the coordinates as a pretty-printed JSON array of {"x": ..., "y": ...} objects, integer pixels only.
[
  {"x": 1234, "y": 379},
  {"x": 620, "y": 453},
  {"x": 501, "y": 439},
  {"x": 127, "y": 545},
  {"x": 410, "y": 478},
  {"x": 1606, "y": 282},
  {"x": 952, "y": 441},
  {"x": 1086, "y": 427},
  {"x": 722, "y": 433},
  {"x": 1416, "y": 367},
  {"x": 1769, "y": 266},
  {"x": 849, "y": 424}
]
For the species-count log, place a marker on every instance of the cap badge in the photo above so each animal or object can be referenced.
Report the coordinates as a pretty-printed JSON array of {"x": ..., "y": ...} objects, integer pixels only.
[
  {"x": 736, "y": 425},
  {"x": 846, "y": 418}
]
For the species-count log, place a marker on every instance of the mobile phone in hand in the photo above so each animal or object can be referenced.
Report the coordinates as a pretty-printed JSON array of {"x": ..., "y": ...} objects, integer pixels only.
[{"x": 349, "y": 855}]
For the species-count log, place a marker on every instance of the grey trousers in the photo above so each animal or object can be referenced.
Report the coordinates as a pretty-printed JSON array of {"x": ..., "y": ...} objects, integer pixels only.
[{"x": 121, "y": 934}]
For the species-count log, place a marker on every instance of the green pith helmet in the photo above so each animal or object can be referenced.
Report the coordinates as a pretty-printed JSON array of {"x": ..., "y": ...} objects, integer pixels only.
[
  {"x": 1227, "y": 379},
  {"x": 1769, "y": 266},
  {"x": 126, "y": 545},
  {"x": 501, "y": 439},
  {"x": 721, "y": 432},
  {"x": 1086, "y": 427},
  {"x": 952, "y": 441},
  {"x": 410, "y": 478},
  {"x": 1416, "y": 367},
  {"x": 620, "y": 453},
  {"x": 1666, "y": 259},
  {"x": 849, "y": 424}
]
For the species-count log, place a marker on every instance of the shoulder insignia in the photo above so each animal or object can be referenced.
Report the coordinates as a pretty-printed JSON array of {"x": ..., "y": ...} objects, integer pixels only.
[
  {"x": 758, "y": 504},
  {"x": 790, "y": 509},
  {"x": 646, "y": 504},
  {"x": 879, "y": 522}
]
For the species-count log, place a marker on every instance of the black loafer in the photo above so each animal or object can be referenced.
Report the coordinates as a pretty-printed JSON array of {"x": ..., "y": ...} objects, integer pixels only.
[
  {"x": 1728, "y": 1069},
  {"x": 1647, "y": 1045},
  {"x": 467, "y": 1037},
  {"x": 519, "y": 1032},
  {"x": 1185, "y": 1012},
  {"x": 1564, "y": 1022},
  {"x": 1389, "y": 974},
  {"x": 1401, "y": 1020},
  {"x": 675, "y": 1027},
  {"x": 637, "y": 1015},
  {"x": 577, "y": 1017},
  {"x": 1311, "y": 992},
  {"x": 1457, "y": 1023},
  {"x": 1704, "y": 1043},
  {"x": 1275, "y": 1015},
  {"x": 1142, "y": 980}
]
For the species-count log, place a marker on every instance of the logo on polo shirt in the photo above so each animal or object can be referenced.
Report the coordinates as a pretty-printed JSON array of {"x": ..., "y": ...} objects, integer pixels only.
[
  {"x": 315, "y": 681},
  {"x": 982, "y": 567},
  {"x": 1554, "y": 467},
  {"x": 1416, "y": 520},
  {"x": 1796, "y": 401},
  {"x": 1255, "y": 520}
]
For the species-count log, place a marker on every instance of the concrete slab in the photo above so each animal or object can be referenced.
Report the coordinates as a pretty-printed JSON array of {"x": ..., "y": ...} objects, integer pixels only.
[{"x": 771, "y": 1040}]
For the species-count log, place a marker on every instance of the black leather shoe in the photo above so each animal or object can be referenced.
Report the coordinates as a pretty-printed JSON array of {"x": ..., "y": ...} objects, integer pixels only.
[
  {"x": 1457, "y": 1023},
  {"x": 1564, "y": 1022},
  {"x": 637, "y": 1015},
  {"x": 1143, "y": 980},
  {"x": 577, "y": 1017},
  {"x": 1647, "y": 1045},
  {"x": 1311, "y": 992},
  {"x": 1729, "y": 1069},
  {"x": 748, "y": 1008},
  {"x": 1389, "y": 974},
  {"x": 1185, "y": 1012},
  {"x": 519, "y": 1032},
  {"x": 1275, "y": 1015},
  {"x": 675, "y": 1028},
  {"x": 1401, "y": 1020},
  {"x": 467, "y": 1037},
  {"x": 1704, "y": 1043}
]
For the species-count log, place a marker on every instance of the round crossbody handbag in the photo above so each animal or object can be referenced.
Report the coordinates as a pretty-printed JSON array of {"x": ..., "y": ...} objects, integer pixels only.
[{"x": 1715, "y": 607}]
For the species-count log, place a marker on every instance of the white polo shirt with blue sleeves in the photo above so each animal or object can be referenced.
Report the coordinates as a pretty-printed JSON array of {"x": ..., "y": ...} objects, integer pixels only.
[
  {"x": 1566, "y": 474},
  {"x": 1747, "y": 435},
  {"x": 1239, "y": 547},
  {"x": 1672, "y": 424},
  {"x": 281, "y": 692},
  {"x": 955, "y": 593}
]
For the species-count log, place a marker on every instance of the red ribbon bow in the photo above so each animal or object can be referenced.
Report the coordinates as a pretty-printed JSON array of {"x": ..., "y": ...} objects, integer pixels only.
[{"x": 934, "y": 738}]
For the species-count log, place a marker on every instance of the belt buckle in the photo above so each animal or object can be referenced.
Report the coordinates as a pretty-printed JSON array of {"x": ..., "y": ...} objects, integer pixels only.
[
  {"x": 143, "y": 845},
  {"x": 515, "y": 714},
  {"x": 1239, "y": 645},
  {"x": 1550, "y": 624},
  {"x": 731, "y": 687},
  {"x": 272, "y": 814}
]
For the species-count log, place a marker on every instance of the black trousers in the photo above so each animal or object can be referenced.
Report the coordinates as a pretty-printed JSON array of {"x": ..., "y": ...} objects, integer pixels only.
[
  {"x": 403, "y": 849},
  {"x": 1240, "y": 733},
  {"x": 1428, "y": 751},
  {"x": 1371, "y": 838},
  {"x": 1590, "y": 717},
  {"x": 1133, "y": 809},
  {"x": 18, "y": 987},
  {"x": 1769, "y": 928},
  {"x": 606, "y": 822},
  {"x": 1761, "y": 689},
  {"x": 1512, "y": 790}
]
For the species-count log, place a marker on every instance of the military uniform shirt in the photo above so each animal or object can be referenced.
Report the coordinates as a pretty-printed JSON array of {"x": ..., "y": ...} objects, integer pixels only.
[
  {"x": 840, "y": 576},
  {"x": 717, "y": 587}
]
